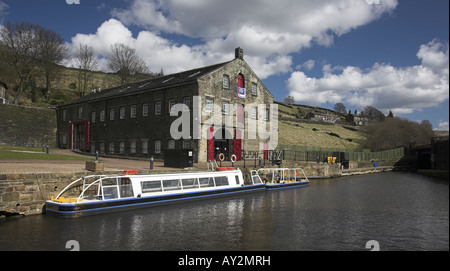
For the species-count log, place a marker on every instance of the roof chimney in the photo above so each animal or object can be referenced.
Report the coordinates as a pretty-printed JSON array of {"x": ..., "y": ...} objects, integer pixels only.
[{"x": 239, "y": 53}]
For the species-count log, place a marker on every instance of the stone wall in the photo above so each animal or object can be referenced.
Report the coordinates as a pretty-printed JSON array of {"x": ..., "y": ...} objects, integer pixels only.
[
  {"x": 27, "y": 126},
  {"x": 26, "y": 193}
]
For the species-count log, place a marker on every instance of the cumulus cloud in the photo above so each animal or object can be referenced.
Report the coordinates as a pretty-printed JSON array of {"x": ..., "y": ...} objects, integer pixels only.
[
  {"x": 268, "y": 31},
  {"x": 442, "y": 126},
  {"x": 400, "y": 89},
  {"x": 156, "y": 51},
  {"x": 3, "y": 11}
]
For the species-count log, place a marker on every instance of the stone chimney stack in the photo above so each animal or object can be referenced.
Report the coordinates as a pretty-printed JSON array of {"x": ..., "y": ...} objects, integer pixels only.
[{"x": 239, "y": 53}]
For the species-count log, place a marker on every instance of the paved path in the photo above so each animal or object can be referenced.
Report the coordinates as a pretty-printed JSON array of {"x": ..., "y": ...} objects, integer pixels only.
[
  {"x": 110, "y": 164},
  {"x": 45, "y": 166}
]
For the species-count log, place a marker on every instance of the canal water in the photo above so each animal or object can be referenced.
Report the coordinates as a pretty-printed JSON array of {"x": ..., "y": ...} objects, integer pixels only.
[{"x": 401, "y": 211}]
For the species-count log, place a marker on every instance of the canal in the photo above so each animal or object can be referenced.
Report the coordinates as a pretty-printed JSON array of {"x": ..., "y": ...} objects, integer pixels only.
[{"x": 401, "y": 211}]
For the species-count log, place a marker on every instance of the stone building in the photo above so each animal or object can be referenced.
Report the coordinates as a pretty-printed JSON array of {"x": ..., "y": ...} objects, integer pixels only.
[
  {"x": 223, "y": 108},
  {"x": 3, "y": 88}
]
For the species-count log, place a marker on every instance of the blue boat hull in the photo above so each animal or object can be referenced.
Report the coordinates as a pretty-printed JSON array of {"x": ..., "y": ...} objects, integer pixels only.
[
  {"x": 108, "y": 206},
  {"x": 279, "y": 186}
]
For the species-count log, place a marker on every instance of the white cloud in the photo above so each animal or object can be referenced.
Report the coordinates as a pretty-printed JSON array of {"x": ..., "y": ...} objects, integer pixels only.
[
  {"x": 3, "y": 11},
  {"x": 269, "y": 31},
  {"x": 402, "y": 90},
  {"x": 443, "y": 126},
  {"x": 156, "y": 51}
]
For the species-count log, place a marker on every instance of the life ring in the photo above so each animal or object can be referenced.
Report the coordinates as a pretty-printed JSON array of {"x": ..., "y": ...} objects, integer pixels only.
[
  {"x": 285, "y": 173},
  {"x": 296, "y": 173},
  {"x": 233, "y": 160},
  {"x": 221, "y": 157}
]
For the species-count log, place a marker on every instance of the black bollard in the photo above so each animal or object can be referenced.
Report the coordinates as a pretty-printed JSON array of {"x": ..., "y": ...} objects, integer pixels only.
[
  {"x": 48, "y": 148},
  {"x": 151, "y": 162}
]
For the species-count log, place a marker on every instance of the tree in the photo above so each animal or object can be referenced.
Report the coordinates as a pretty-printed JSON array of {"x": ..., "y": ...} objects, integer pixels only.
[
  {"x": 52, "y": 51},
  {"x": 86, "y": 62},
  {"x": 340, "y": 108},
  {"x": 395, "y": 132},
  {"x": 289, "y": 100},
  {"x": 19, "y": 52},
  {"x": 373, "y": 114},
  {"x": 124, "y": 60}
]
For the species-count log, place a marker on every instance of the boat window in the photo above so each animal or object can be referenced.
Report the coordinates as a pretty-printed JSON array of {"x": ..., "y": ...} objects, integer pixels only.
[
  {"x": 109, "y": 181},
  {"x": 206, "y": 182},
  {"x": 237, "y": 179},
  {"x": 256, "y": 180},
  {"x": 125, "y": 188},
  {"x": 171, "y": 185},
  {"x": 190, "y": 183},
  {"x": 110, "y": 192},
  {"x": 152, "y": 186},
  {"x": 221, "y": 180}
]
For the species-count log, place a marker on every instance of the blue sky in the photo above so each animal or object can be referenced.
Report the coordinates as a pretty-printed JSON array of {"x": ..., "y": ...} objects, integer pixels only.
[{"x": 391, "y": 54}]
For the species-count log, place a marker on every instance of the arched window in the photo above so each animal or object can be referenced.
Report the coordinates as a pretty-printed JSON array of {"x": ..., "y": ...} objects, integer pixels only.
[{"x": 241, "y": 81}]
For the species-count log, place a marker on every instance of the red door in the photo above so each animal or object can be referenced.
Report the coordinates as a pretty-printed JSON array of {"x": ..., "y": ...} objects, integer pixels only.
[
  {"x": 211, "y": 144},
  {"x": 237, "y": 144}
]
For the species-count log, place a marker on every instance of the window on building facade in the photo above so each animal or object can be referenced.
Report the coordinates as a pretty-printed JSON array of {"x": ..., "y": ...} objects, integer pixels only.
[
  {"x": 225, "y": 108},
  {"x": 171, "y": 144},
  {"x": 80, "y": 112},
  {"x": 187, "y": 102},
  {"x": 171, "y": 103},
  {"x": 133, "y": 111},
  {"x": 122, "y": 112},
  {"x": 93, "y": 117},
  {"x": 111, "y": 114},
  {"x": 226, "y": 81},
  {"x": 209, "y": 104},
  {"x": 158, "y": 146},
  {"x": 254, "y": 112},
  {"x": 64, "y": 115},
  {"x": 186, "y": 144},
  {"x": 102, "y": 115},
  {"x": 145, "y": 110},
  {"x": 111, "y": 147},
  {"x": 158, "y": 108},
  {"x": 254, "y": 89},
  {"x": 133, "y": 146},
  {"x": 266, "y": 114},
  {"x": 145, "y": 146},
  {"x": 102, "y": 148},
  {"x": 122, "y": 147}
]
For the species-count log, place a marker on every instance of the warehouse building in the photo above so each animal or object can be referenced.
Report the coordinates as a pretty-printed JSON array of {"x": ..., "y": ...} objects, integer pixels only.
[{"x": 223, "y": 108}]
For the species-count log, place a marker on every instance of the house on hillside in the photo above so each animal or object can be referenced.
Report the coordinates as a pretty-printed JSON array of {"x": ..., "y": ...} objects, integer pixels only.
[
  {"x": 216, "y": 109},
  {"x": 3, "y": 88}
]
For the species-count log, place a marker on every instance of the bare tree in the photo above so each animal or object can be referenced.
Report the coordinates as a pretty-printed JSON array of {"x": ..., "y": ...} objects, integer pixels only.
[
  {"x": 124, "y": 60},
  {"x": 52, "y": 51},
  {"x": 373, "y": 114},
  {"x": 289, "y": 100},
  {"x": 86, "y": 62},
  {"x": 19, "y": 51},
  {"x": 340, "y": 108}
]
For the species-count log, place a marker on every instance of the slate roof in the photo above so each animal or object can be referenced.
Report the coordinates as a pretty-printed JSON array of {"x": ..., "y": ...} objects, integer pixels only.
[{"x": 150, "y": 84}]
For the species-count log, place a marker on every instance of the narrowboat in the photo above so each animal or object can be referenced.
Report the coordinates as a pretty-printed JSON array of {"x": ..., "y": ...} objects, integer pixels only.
[
  {"x": 281, "y": 178},
  {"x": 100, "y": 194}
]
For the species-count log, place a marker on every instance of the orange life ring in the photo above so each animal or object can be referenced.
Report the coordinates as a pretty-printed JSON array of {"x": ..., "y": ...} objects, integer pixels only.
[
  {"x": 221, "y": 157},
  {"x": 235, "y": 158}
]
